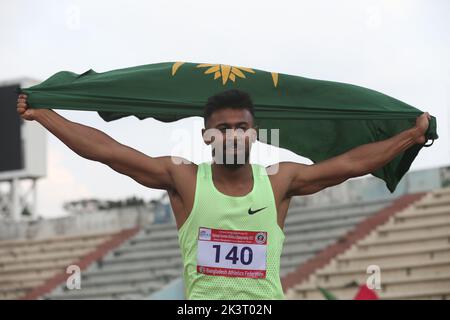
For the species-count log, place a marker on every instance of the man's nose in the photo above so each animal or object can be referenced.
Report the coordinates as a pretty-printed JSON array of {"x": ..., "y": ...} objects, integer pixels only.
[{"x": 231, "y": 134}]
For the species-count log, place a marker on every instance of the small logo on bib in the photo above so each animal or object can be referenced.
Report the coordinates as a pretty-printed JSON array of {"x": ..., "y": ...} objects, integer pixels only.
[
  {"x": 204, "y": 234},
  {"x": 260, "y": 237},
  {"x": 250, "y": 211}
]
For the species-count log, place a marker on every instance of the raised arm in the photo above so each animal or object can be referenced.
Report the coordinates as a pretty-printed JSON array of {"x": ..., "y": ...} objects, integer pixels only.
[
  {"x": 307, "y": 179},
  {"x": 95, "y": 145}
]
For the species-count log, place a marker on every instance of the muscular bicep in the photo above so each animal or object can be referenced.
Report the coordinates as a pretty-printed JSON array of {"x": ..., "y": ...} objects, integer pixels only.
[
  {"x": 152, "y": 172},
  {"x": 308, "y": 179}
]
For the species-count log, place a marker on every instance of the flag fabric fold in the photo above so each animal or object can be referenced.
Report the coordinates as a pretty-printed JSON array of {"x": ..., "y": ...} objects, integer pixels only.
[{"x": 316, "y": 119}]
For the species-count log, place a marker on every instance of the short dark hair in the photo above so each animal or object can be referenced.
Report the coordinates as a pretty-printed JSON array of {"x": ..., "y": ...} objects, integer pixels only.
[{"x": 233, "y": 98}]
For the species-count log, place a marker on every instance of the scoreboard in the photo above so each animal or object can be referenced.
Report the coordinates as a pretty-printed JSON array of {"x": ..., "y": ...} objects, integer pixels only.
[
  {"x": 11, "y": 153},
  {"x": 23, "y": 151}
]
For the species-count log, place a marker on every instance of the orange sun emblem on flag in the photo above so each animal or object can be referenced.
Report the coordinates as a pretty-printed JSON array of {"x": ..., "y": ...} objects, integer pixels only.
[{"x": 226, "y": 72}]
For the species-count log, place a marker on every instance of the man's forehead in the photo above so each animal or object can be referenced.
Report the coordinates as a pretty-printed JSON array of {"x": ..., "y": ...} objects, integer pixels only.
[{"x": 230, "y": 116}]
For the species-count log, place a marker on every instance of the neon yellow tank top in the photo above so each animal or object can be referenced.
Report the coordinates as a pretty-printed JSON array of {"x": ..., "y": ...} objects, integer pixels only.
[{"x": 231, "y": 246}]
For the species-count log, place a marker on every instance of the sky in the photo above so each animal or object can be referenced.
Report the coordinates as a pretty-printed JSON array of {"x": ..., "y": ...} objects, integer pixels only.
[{"x": 398, "y": 47}]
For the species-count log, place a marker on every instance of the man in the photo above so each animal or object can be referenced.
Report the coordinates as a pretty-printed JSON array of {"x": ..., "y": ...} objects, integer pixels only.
[{"x": 229, "y": 214}]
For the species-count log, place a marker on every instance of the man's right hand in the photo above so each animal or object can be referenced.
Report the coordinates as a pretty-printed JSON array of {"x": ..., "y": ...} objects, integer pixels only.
[{"x": 23, "y": 109}]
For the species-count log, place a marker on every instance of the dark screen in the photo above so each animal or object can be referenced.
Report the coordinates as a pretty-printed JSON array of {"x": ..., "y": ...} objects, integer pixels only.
[{"x": 11, "y": 155}]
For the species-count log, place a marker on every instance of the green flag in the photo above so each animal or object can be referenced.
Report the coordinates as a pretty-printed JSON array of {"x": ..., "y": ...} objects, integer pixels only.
[
  {"x": 316, "y": 119},
  {"x": 327, "y": 294}
]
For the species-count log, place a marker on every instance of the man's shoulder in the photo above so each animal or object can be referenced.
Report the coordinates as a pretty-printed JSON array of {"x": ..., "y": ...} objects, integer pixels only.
[
  {"x": 284, "y": 168},
  {"x": 183, "y": 173},
  {"x": 181, "y": 164}
]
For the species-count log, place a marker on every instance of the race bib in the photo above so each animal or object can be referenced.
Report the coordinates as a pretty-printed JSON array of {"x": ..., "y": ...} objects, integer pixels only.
[{"x": 232, "y": 253}]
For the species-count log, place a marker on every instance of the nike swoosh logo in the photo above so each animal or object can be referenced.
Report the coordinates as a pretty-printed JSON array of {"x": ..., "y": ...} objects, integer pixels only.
[{"x": 250, "y": 211}]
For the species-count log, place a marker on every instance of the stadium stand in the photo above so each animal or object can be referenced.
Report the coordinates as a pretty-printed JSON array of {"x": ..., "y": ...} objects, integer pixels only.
[
  {"x": 28, "y": 267},
  {"x": 411, "y": 249},
  {"x": 142, "y": 265},
  {"x": 309, "y": 230}
]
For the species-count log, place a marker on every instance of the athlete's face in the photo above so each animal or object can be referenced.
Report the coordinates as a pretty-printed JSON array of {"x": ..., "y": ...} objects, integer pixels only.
[{"x": 231, "y": 133}]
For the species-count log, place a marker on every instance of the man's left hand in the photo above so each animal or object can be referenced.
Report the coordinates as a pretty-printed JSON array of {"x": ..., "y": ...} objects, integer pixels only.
[{"x": 421, "y": 127}]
